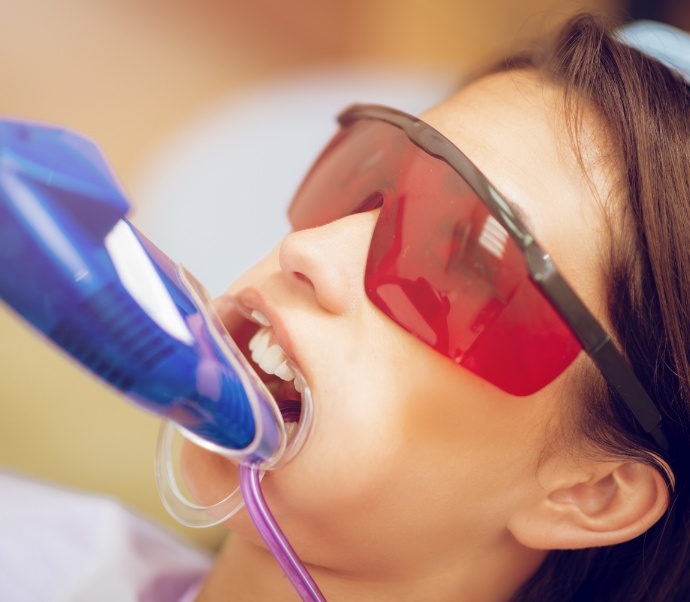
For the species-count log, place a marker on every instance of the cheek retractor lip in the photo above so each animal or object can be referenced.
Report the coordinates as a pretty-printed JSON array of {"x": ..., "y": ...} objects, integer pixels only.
[{"x": 278, "y": 363}]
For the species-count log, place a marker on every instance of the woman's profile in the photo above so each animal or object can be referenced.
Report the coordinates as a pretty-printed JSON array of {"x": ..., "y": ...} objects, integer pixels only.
[
  {"x": 480, "y": 317},
  {"x": 465, "y": 447}
]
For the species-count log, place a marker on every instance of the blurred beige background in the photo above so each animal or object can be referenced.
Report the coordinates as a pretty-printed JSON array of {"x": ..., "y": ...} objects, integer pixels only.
[{"x": 129, "y": 72}]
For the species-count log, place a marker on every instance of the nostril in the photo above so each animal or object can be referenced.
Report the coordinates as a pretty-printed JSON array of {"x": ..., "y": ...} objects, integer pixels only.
[{"x": 301, "y": 277}]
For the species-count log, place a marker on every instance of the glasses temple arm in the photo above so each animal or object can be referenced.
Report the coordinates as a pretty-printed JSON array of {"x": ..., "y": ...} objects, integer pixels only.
[{"x": 596, "y": 343}]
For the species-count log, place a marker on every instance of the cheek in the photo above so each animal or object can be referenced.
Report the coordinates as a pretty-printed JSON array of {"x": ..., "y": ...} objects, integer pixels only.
[
  {"x": 477, "y": 441},
  {"x": 387, "y": 419}
]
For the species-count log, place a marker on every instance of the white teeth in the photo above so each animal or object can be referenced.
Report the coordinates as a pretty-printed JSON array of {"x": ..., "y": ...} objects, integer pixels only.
[
  {"x": 269, "y": 355},
  {"x": 270, "y": 359},
  {"x": 259, "y": 342},
  {"x": 260, "y": 318},
  {"x": 283, "y": 371}
]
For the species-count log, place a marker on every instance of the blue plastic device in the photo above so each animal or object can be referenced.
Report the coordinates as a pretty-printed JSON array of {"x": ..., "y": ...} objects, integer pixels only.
[{"x": 75, "y": 268}]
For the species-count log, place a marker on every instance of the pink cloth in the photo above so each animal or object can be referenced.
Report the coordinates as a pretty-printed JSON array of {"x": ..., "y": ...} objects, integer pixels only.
[{"x": 65, "y": 546}]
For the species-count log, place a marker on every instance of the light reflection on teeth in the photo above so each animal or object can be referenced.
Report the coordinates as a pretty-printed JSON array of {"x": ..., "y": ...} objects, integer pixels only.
[{"x": 260, "y": 318}]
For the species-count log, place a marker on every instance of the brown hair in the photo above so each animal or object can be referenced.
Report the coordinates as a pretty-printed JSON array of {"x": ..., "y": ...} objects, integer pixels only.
[{"x": 645, "y": 109}]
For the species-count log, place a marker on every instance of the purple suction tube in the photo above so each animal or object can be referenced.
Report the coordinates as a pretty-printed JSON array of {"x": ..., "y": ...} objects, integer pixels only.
[{"x": 269, "y": 530}]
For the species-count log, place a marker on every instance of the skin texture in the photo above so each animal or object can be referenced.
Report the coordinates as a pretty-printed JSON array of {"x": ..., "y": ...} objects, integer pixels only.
[{"x": 420, "y": 487}]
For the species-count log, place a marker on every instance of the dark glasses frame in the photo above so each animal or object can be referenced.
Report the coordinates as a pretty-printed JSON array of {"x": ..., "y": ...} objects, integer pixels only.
[{"x": 595, "y": 341}]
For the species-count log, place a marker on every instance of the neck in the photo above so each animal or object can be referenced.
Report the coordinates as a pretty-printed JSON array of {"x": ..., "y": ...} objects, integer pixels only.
[{"x": 244, "y": 572}]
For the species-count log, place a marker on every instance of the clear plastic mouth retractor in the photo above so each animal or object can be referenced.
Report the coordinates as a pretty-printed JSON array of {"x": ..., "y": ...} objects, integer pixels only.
[{"x": 190, "y": 513}]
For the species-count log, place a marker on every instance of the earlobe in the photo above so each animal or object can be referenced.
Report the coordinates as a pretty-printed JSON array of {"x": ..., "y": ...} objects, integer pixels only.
[{"x": 610, "y": 503}]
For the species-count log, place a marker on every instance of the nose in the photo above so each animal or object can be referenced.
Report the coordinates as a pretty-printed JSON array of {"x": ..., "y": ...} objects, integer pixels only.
[{"x": 330, "y": 259}]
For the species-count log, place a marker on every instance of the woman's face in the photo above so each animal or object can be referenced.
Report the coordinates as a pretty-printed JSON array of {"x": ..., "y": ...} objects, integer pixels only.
[{"x": 412, "y": 457}]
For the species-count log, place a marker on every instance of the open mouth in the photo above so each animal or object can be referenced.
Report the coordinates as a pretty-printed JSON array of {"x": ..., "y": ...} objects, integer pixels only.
[
  {"x": 256, "y": 340},
  {"x": 272, "y": 361}
]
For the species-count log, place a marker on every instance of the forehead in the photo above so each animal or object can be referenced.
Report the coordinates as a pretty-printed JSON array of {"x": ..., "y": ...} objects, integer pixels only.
[{"x": 511, "y": 125}]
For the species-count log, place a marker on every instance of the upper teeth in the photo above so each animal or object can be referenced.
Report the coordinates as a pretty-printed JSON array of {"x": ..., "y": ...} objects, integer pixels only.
[
  {"x": 269, "y": 355},
  {"x": 260, "y": 318}
]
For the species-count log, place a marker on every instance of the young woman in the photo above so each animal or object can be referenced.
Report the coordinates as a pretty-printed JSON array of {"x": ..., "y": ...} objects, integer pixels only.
[{"x": 464, "y": 447}]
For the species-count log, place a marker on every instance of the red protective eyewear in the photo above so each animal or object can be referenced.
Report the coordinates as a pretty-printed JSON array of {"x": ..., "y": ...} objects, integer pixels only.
[{"x": 452, "y": 263}]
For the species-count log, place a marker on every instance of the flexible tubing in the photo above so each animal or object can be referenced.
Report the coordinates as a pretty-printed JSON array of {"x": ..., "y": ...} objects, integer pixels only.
[{"x": 296, "y": 572}]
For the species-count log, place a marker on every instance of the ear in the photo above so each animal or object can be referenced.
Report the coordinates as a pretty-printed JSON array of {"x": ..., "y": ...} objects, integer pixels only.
[{"x": 600, "y": 504}]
